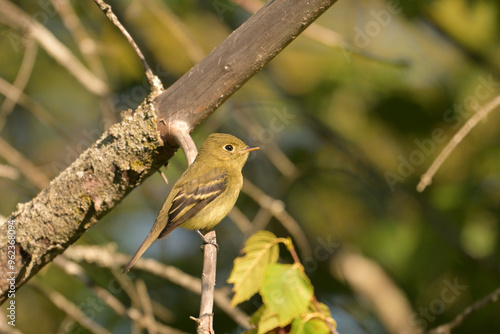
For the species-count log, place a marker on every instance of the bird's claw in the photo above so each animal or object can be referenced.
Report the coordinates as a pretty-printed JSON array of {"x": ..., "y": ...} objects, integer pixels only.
[{"x": 206, "y": 241}]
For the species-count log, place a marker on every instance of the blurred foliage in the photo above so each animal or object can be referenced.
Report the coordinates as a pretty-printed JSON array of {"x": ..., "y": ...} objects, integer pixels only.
[{"x": 346, "y": 118}]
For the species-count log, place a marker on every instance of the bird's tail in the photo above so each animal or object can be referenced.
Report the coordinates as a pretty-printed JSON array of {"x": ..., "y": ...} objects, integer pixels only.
[{"x": 145, "y": 245}]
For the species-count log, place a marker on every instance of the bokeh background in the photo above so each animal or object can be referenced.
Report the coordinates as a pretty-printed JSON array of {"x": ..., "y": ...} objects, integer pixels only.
[{"x": 349, "y": 116}]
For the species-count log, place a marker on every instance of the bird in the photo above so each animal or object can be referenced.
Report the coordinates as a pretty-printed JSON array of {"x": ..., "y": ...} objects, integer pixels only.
[{"x": 205, "y": 193}]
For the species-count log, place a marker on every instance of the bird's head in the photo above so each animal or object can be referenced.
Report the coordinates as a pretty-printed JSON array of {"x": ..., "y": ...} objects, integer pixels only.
[{"x": 225, "y": 148}]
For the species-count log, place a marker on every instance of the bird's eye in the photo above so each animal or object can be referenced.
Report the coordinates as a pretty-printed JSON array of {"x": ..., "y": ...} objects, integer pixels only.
[{"x": 229, "y": 148}]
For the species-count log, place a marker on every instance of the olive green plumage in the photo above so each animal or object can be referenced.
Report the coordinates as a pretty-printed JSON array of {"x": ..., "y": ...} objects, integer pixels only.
[{"x": 205, "y": 192}]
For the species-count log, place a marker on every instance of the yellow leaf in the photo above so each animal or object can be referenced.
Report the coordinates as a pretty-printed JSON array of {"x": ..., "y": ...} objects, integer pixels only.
[
  {"x": 287, "y": 291},
  {"x": 260, "y": 250}
]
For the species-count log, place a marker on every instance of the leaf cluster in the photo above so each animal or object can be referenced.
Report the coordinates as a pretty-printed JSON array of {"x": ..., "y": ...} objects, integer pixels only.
[{"x": 287, "y": 293}]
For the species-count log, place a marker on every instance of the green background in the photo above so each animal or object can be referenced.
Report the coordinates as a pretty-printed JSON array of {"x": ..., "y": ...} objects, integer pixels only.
[{"x": 346, "y": 131}]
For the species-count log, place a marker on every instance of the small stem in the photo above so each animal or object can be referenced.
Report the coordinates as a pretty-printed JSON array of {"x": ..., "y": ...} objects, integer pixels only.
[
  {"x": 205, "y": 320},
  {"x": 291, "y": 249},
  {"x": 316, "y": 305},
  {"x": 448, "y": 327},
  {"x": 163, "y": 176},
  {"x": 154, "y": 82},
  {"x": 179, "y": 131},
  {"x": 426, "y": 178}
]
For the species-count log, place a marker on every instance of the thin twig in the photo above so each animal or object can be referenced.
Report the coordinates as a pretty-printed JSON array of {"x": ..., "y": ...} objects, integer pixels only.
[
  {"x": 272, "y": 151},
  {"x": 178, "y": 29},
  {"x": 154, "y": 82},
  {"x": 86, "y": 44},
  {"x": 21, "y": 80},
  {"x": 426, "y": 178},
  {"x": 241, "y": 221},
  {"x": 6, "y": 328},
  {"x": 447, "y": 328},
  {"x": 13, "y": 16},
  {"x": 89, "y": 49},
  {"x": 9, "y": 172},
  {"x": 262, "y": 219},
  {"x": 206, "y": 319},
  {"x": 107, "y": 257},
  {"x": 319, "y": 310},
  {"x": 70, "y": 205},
  {"x": 315, "y": 302},
  {"x": 29, "y": 170},
  {"x": 13, "y": 93},
  {"x": 127, "y": 284},
  {"x": 72, "y": 310},
  {"x": 160, "y": 311},
  {"x": 277, "y": 208},
  {"x": 73, "y": 269},
  {"x": 388, "y": 300},
  {"x": 328, "y": 37},
  {"x": 146, "y": 306},
  {"x": 163, "y": 176}
]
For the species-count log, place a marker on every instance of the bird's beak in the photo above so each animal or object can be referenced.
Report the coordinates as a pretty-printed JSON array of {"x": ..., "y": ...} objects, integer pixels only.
[{"x": 250, "y": 149}]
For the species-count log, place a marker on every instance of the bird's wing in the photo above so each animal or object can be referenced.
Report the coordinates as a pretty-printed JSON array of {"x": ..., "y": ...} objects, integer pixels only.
[
  {"x": 193, "y": 197},
  {"x": 189, "y": 199}
]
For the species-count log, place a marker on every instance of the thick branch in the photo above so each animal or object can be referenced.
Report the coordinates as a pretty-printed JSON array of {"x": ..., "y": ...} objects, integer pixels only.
[
  {"x": 131, "y": 151},
  {"x": 244, "y": 53},
  {"x": 74, "y": 201}
]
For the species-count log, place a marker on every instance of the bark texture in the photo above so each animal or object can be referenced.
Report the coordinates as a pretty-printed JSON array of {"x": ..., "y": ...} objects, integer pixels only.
[
  {"x": 239, "y": 57},
  {"x": 75, "y": 200}
]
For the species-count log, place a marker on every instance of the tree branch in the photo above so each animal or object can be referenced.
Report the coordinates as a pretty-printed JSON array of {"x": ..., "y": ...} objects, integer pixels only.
[
  {"x": 448, "y": 327},
  {"x": 154, "y": 82},
  {"x": 105, "y": 257},
  {"x": 22, "y": 78},
  {"x": 206, "y": 319},
  {"x": 74, "y": 201},
  {"x": 73, "y": 269},
  {"x": 388, "y": 300},
  {"x": 132, "y": 150},
  {"x": 240, "y": 56},
  {"x": 277, "y": 209},
  {"x": 17, "y": 96},
  {"x": 17, "y": 18},
  {"x": 482, "y": 113},
  {"x": 24, "y": 165},
  {"x": 71, "y": 309}
]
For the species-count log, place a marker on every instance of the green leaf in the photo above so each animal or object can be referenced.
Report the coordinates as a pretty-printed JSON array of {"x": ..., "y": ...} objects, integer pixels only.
[
  {"x": 322, "y": 308},
  {"x": 260, "y": 250},
  {"x": 312, "y": 326},
  {"x": 255, "y": 318},
  {"x": 265, "y": 320},
  {"x": 315, "y": 320},
  {"x": 287, "y": 291}
]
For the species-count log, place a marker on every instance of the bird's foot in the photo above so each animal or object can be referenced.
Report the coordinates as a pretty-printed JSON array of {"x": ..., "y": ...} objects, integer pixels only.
[{"x": 206, "y": 241}]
